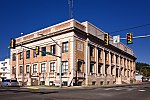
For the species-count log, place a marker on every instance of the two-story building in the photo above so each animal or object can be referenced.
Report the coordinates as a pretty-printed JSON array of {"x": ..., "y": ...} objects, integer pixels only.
[{"x": 81, "y": 56}]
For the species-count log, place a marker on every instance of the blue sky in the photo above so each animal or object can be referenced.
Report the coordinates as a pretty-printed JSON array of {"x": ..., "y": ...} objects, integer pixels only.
[{"x": 27, "y": 16}]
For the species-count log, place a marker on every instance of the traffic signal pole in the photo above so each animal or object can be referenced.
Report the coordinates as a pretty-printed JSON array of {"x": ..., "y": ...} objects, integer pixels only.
[{"x": 60, "y": 60}]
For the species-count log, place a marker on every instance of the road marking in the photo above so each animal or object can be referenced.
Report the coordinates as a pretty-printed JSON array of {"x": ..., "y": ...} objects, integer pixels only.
[
  {"x": 108, "y": 89},
  {"x": 118, "y": 89},
  {"x": 141, "y": 90}
]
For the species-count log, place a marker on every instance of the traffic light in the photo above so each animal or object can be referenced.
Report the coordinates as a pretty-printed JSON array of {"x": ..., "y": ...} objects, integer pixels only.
[
  {"x": 12, "y": 43},
  {"x": 106, "y": 38},
  {"x": 37, "y": 49},
  {"x": 129, "y": 38}
]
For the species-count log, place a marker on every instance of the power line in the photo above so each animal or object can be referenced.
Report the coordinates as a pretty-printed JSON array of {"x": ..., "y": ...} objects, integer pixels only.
[{"x": 130, "y": 28}]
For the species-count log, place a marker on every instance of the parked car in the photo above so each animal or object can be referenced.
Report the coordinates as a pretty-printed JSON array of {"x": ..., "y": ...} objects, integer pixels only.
[{"x": 9, "y": 82}]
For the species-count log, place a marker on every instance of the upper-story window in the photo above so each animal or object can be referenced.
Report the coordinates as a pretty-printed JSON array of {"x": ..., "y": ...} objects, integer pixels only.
[
  {"x": 53, "y": 49},
  {"x": 99, "y": 54},
  {"x": 117, "y": 58},
  {"x": 65, "y": 66},
  {"x": 65, "y": 47},
  {"x": 34, "y": 53},
  {"x": 35, "y": 68},
  {"x": 27, "y": 68},
  {"x": 52, "y": 67},
  {"x": 43, "y": 51},
  {"x": 43, "y": 67},
  {"x": 92, "y": 68},
  {"x": 92, "y": 51},
  {"x": 112, "y": 58},
  {"x": 13, "y": 70},
  {"x": 14, "y": 57},
  {"x": 106, "y": 56},
  {"x": 21, "y": 55},
  {"x": 21, "y": 69},
  {"x": 27, "y": 54}
]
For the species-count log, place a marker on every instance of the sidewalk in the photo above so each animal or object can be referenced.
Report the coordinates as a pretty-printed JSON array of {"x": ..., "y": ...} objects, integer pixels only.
[{"x": 82, "y": 87}]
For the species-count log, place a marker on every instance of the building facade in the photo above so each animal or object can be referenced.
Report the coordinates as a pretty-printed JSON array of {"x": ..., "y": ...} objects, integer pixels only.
[
  {"x": 5, "y": 69},
  {"x": 78, "y": 52}
]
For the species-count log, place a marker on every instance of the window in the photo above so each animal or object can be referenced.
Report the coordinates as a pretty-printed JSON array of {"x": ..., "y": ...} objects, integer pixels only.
[
  {"x": 65, "y": 66},
  {"x": 79, "y": 66},
  {"x": 112, "y": 58},
  {"x": 21, "y": 69},
  {"x": 116, "y": 59},
  {"x": 52, "y": 67},
  {"x": 27, "y": 54},
  {"x": 91, "y": 68},
  {"x": 21, "y": 55},
  {"x": 43, "y": 67},
  {"x": 13, "y": 70},
  {"x": 91, "y": 51},
  {"x": 106, "y": 56},
  {"x": 27, "y": 68},
  {"x": 34, "y": 68},
  {"x": 34, "y": 53},
  {"x": 99, "y": 54},
  {"x": 99, "y": 69},
  {"x": 43, "y": 51},
  {"x": 53, "y": 49},
  {"x": 112, "y": 69},
  {"x": 106, "y": 69},
  {"x": 65, "y": 47},
  {"x": 14, "y": 56}
]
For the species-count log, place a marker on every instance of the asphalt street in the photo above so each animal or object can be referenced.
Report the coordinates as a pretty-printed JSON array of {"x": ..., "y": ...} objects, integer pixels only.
[{"x": 136, "y": 92}]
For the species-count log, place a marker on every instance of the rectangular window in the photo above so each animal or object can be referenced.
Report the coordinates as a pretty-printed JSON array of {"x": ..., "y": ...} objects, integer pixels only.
[
  {"x": 106, "y": 56},
  {"x": 27, "y": 68},
  {"x": 21, "y": 69},
  {"x": 34, "y": 53},
  {"x": 91, "y": 51},
  {"x": 91, "y": 68},
  {"x": 65, "y": 66},
  {"x": 43, "y": 67},
  {"x": 99, "y": 69},
  {"x": 99, "y": 54},
  {"x": 27, "y": 54},
  {"x": 21, "y": 55},
  {"x": 52, "y": 67},
  {"x": 65, "y": 47},
  {"x": 79, "y": 66},
  {"x": 43, "y": 51},
  {"x": 34, "y": 68},
  {"x": 53, "y": 49},
  {"x": 14, "y": 56},
  {"x": 13, "y": 70},
  {"x": 106, "y": 69}
]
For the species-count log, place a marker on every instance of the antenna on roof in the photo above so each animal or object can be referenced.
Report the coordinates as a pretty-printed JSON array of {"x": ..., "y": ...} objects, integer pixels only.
[{"x": 70, "y": 4}]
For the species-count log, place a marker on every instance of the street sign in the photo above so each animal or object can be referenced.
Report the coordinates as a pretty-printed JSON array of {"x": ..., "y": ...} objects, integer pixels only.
[{"x": 116, "y": 39}]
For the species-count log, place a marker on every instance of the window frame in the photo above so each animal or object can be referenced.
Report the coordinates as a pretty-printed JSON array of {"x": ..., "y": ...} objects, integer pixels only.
[
  {"x": 43, "y": 51},
  {"x": 28, "y": 54},
  {"x": 65, "y": 47},
  {"x": 43, "y": 71}
]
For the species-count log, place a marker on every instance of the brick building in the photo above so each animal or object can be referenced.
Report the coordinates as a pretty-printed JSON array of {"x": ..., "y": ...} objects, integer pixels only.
[{"x": 85, "y": 58}]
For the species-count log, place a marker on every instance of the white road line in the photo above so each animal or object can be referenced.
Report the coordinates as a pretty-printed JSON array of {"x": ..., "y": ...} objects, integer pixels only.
[
  {"x": 141, "y": 90},
  {"x": 108, "y": 89}
]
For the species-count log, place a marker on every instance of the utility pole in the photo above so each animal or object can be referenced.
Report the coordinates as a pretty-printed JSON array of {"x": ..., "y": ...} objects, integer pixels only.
[{"x": 60, "y": 60}]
